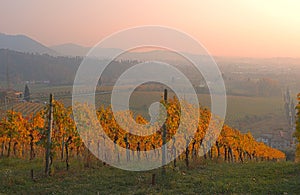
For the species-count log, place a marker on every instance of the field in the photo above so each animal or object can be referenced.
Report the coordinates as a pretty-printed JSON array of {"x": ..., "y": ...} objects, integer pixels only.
[{"x": 205, "y": 177}]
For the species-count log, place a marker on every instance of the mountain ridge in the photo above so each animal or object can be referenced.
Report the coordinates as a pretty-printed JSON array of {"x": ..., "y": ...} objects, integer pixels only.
[{"x": 23, "y": 43}]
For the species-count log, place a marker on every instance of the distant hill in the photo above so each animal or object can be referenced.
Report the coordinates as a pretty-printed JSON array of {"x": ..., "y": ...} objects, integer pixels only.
[
  {"x": 37, "y": 67},
  {"x": 70, "y": 49},
  {"x": 55, "y": 69},
  {"x": 23, "y": 43}
]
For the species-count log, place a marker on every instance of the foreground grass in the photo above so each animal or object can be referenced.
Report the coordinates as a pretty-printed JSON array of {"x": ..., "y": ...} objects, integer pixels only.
[{"x": 204, "y": 178}]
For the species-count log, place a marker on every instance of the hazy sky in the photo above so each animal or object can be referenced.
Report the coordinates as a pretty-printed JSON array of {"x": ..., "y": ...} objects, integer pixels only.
[{"x": 254, "y": 28}]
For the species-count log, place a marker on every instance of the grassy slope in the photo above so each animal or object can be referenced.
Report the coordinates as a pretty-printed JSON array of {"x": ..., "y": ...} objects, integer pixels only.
[{"x": 205, "y": 178}]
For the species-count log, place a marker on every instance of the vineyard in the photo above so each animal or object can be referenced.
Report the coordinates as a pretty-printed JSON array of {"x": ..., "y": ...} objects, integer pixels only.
[
  {"x": 258, "y": 114},
  {"x": 27, "y": 108},
  {"x": 24, "y": 136},
  {"x": 23, "y": 139}
]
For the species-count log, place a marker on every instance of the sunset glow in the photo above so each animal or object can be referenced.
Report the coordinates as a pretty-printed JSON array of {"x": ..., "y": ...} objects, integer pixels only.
[{"x": 226, "y": 28}]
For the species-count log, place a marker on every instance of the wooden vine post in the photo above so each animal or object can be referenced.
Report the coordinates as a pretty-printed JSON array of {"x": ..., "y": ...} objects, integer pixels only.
[
  {"x": 48, "y": 144},
  {"x": 164, "y": 138}
]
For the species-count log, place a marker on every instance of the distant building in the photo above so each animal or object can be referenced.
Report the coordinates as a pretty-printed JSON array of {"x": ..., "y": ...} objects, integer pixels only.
[
  {"x": 265, "y": 138},
  {"x": 8, "y": 95},
  {"x": 37, "y": 82},
  {"x": 279, "y": 139}
]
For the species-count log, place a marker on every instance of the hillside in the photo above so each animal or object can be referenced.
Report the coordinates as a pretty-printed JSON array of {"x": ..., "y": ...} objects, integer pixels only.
[
  {"x": 37, "y": 67},
  {"x": 23, "y": 43},
  {"x": 70, "y": 49},
  {"x": 58, "y": 70}
]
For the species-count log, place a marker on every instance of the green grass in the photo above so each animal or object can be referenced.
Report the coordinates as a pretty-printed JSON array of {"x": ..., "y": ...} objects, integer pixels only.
[{"x": 204, "y": 177}]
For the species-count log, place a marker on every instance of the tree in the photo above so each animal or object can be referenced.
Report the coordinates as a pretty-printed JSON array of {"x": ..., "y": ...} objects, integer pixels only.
[
  {"x": 297, "y": 133},
  {"x": 26, "y": 93}
]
